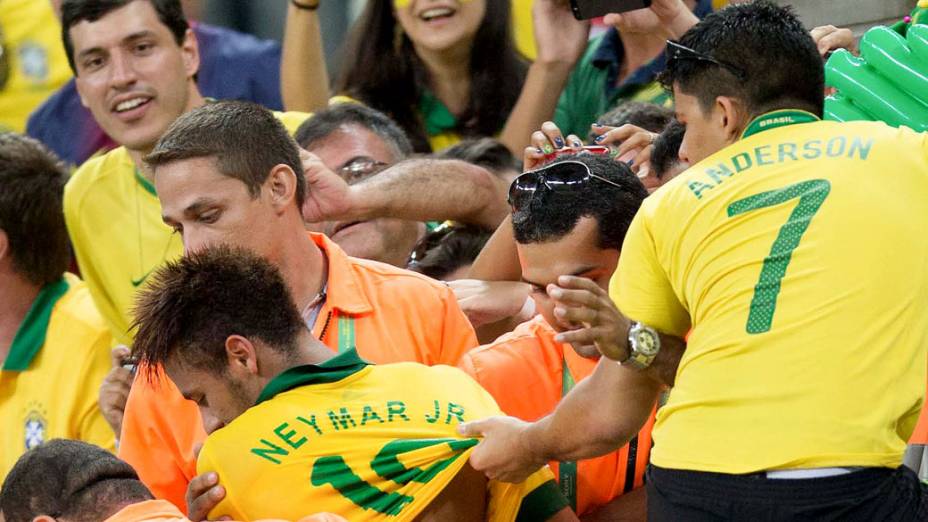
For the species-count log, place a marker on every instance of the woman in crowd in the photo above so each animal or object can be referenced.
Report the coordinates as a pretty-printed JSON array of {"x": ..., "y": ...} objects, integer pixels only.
[{"x": 447, "y": 70}]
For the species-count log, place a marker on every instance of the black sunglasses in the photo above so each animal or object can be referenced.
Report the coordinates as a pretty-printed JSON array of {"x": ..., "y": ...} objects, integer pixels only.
[
  {"x": 675, "y": 52},
  {"x": 566, "y": 175}
]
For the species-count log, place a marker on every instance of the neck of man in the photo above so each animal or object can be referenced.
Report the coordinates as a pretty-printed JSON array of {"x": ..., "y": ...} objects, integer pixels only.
[
  {"x": 640, "y": 50},
  {"x": 18, "y": 296},
  {"x": 302, "y": 264},
  {"x": 194, "y": 100},
  {"x": 309, "y": 351},
  {"x": 449, "y": 76}
]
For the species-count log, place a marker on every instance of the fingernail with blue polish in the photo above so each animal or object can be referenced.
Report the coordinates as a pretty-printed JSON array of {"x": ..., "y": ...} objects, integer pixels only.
[
  {"x": 597, "y": 125},
  {"x": 577, "y": 144},
  {"x": 539, "y": 150},
  {"x": 600, "y": 138},
  {"x": 559, "y": 142}
]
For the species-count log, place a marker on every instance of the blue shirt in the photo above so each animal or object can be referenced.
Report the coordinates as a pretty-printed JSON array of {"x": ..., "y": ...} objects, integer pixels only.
[{"x": 233, "y": 66}]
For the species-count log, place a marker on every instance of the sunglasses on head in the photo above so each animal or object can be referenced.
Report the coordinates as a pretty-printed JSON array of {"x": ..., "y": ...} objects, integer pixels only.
[
  {"x": 566, "y": 175},
  {"x": 676, "y": 51}
]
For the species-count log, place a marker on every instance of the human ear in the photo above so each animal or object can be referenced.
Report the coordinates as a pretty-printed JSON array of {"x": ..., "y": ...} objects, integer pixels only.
[
  {"x": 241, "y": 355},
  {"x": 731, "y": 114},
  {"x": 281, "y": 184},
  {"x": 190, "y": 50}
]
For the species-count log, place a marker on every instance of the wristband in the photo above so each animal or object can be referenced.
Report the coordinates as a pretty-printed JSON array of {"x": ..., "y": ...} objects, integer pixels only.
[{"x": 306, "y": 7}]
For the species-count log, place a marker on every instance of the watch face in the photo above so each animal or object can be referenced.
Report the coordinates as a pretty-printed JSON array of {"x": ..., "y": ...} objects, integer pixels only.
[{"x": 645, "y": 342}]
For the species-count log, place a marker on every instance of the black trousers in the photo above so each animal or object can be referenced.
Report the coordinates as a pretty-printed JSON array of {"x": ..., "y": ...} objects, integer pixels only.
[{"x": 872, "y": 494}]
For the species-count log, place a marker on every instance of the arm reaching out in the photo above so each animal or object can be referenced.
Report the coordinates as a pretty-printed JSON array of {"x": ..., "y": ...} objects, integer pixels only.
[
  {"x": 561, "y": 40},
  {"x": 416, "y": 189},
  {"x": 304, "y": 80},
  {"x": 621, "y": 398}
]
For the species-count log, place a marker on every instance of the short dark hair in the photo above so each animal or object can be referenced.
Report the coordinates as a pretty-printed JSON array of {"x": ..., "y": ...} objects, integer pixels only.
[
  {"x": 245, "y": 140},
  {"x": 169, "y": 12},
  {"x": 331, "y": 119},
  {"x": 552, "y": 214},
  {"x": 666, "y": 152},
  {"x": 781, "y": 64},
  {"x": 648, "y": 116},
  {"x": 195, "y": 303},
  {"x": 444, "y": 250},
  {"x": 69, "y": 479},
  {"x": 488, "y": 153},
  {"x": 31, "y": 189}
]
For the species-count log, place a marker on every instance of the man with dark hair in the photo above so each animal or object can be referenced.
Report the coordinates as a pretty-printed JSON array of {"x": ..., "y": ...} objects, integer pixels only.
[
  {"x": 72, "y": 481},
  {"x": 233, "y": 65},
  {"x": 765, "y": 250},
  {"x": 223, "y": 325},
  {"x": 357, "y": 143},
  {"x": 567, "y": 230},
  {"x": 228, "y": 172},
  {"x": 54, "y": 347},
  {"x": 135, "y": 63}
]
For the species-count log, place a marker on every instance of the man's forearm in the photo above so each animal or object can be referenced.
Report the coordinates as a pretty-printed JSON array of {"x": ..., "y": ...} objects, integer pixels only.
[
  {"x": 600, "y": 414},
  {"x": 431, "y": 189}
]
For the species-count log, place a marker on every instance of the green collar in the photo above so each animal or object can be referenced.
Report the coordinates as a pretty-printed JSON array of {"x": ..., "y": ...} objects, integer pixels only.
[
  {"x": 335, "y": 369},
  {"x": 438, "y": 118},
  {"x": 145, "y": 183},
  {"x": 772, "y": 120},
  {"x": 30, "y": 337}
]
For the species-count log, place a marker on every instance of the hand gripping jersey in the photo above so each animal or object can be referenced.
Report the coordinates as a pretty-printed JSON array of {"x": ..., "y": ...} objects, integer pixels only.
[
  {"x": 798, "y": 257},
  {"x": 361, "y": 441}
]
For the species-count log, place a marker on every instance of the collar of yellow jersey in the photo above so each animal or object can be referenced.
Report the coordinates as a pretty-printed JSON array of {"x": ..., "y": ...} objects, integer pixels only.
[
  {"x": 30, "y": 337},
  {"x": 335, "y": 369},
  {"x": 780, "y": 118}
]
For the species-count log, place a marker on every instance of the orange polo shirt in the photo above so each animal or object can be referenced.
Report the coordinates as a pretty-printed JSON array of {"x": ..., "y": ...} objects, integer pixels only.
[
  {"x": 398, "y": 316},
  {"x": 523, "y": 371},
  {"x": 163, "y": 511}
]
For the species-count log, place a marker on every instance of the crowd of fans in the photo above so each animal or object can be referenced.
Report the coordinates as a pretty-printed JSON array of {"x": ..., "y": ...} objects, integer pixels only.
[{"x": 627, "y": 274}]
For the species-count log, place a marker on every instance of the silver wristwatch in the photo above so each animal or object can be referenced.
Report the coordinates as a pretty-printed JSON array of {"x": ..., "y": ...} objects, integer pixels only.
[{"x": 644, "y": 343}]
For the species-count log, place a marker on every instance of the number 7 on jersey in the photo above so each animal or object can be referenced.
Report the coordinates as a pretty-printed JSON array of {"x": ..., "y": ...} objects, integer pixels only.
[{"x": 811, "y": 194}]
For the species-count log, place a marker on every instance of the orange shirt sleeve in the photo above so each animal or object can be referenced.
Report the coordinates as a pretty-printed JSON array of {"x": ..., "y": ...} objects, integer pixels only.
[
  {"x": 160, "y": 430},
  {"x": 457, "y": 335}
]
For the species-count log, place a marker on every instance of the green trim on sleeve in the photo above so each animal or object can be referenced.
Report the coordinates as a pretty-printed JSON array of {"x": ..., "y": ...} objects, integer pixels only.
[
  {"x": 542, "y": 503},
  {"x": 30, "y": 337}
]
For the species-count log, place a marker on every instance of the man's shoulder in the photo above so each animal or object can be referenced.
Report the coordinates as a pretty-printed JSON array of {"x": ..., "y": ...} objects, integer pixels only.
[
  {"x": 107, "y": 171},
  {"x": 527, "y": 347},
  {"x": 78, "y": 320},
  {"x": 388, "y": 278}
]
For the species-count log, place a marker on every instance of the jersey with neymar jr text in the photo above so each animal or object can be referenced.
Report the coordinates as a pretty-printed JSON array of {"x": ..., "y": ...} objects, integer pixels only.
[
  {"x": 362, "y": 441},
  {"x": 798, "y": 257}
]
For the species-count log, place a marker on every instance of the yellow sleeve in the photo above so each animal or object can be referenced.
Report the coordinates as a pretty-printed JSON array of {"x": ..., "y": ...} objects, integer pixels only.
[
  {"x": 228, "y": 506},
  {"x": 292, "y": 119},
  {"x": 90, "y": 425},
  {"x": 640, "y": 286}
]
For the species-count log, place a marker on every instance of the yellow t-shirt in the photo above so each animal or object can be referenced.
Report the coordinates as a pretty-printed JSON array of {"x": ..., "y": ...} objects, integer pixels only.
[
  {"x": 798, "y": 257},
  {"x": 37, "y": 65},
  {"x": 51, "y": 376},
  {"x": 361, "y": 441},
  {"x": 114, "y": 220}
]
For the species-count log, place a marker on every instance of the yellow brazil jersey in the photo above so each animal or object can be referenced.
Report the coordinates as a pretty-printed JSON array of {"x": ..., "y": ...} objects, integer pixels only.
[
  {"x": 362, "y": 441},
  {"x": 114, "y": 220},
  {"x": 798, "y": 257},
  {"x": 50, "y": 378},
  {"x": 32, "y": 59}
]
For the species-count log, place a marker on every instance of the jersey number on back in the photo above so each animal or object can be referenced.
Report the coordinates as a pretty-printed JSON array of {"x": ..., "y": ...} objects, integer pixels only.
[
  {"x": 334, "y": 471},
  {"x": 811, "y": 194}
]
